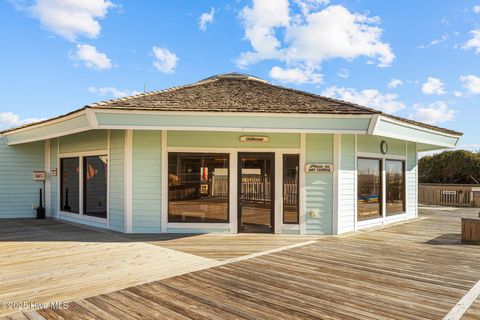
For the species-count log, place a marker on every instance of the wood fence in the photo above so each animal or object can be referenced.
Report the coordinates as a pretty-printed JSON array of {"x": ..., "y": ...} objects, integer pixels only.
[{"x": 455, "y": 195}]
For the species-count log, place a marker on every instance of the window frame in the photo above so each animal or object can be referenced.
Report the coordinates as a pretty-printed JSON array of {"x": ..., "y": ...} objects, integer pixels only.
[
  {"x": 84, "y": 186},
  {"x": 80, "y": 156},
  {"x": 228, "y": 156},
  {"x": 298, "y": 189},
  {"x": 382, "y": 189},
  {"x": 61, "y": 186},
  {"x": 404, "y": 172}
]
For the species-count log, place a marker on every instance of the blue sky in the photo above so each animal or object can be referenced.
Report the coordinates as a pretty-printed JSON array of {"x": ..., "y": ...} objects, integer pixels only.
[{"x": 416, "y": 59}]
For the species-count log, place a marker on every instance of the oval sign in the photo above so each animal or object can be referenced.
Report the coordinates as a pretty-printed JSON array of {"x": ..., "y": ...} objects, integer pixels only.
[{"x": 383, "y": 147}]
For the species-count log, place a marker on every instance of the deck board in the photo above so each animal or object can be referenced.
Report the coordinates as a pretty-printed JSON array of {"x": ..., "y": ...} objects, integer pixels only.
[{"x": 414, "y": 270}]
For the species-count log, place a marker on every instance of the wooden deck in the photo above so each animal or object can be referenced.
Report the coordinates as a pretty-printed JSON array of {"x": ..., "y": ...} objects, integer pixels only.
[{"x": 414, "y": 270}]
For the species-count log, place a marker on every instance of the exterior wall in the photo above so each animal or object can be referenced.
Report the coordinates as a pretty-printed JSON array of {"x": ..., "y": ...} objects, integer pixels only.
[
  {"x": 412, "y": 180},
  {"x": 346, "y": 184},
  {"x": 147, "y": 182},
  {"x": 319, "y": 186},
  {"x": 18, "y": 191},
  {"x": 205, "y": 139},
  {"x": 54, "y": 187},
  {"x": 371, "y": 144},
  {"x": 116, "y": 186}
]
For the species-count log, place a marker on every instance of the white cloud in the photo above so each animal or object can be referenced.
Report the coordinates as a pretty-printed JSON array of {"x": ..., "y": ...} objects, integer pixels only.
[
  {"x": 395, "y": 83},
  {"x": 91, "y": 57},
  {"x": 433, "y": 86},
  {"x": 68, "y": 18},
  {"x": 471, "y": 83},
  {"x": 435, "y": 42},
  {"x": 112, "y": 91},
  {"x": 474, "y": 42},
  {"x": 294, "y": 75},
  {"x": 164, "y": 60},
  {"x": 205, "y": 19},
  {"x": 457, "y": 94},
  {"x": 370, "y": 98},
  {"x": 311, "y": 36},
  {"x": 433, "y": 113},
  {"x": 10, "y": 119},
  {"x": 343, "y": 73},
  {"x": 476, "y": 9}
]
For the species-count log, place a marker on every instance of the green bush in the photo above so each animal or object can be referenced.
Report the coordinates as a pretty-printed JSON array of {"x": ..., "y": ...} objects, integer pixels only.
[{"x": 457, "y": 166}]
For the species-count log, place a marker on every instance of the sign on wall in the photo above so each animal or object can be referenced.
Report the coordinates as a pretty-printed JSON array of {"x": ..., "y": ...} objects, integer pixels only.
[
  {"x": 318, "y": 167},
  {"x": 38, "y": 175},
  {"x": 449, "y": 192},
  {"x": 254, "y": 139}
]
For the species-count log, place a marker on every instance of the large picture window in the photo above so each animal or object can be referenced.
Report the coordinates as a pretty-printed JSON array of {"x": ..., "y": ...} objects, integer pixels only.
[
  {"x": 83, "y": 185},
  {"x": 198, "y": 187},
  {"x": 395, "y": 187},
  {"x": 70, "y": 195},
  {"x": 95, "y": 186},
  {"x": 290, "y": 188},
  {"x": 369, "y": 202}
]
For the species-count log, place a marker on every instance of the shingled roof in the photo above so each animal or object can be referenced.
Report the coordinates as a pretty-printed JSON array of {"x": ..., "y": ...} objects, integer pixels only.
[{"x": 234, "y": 92}]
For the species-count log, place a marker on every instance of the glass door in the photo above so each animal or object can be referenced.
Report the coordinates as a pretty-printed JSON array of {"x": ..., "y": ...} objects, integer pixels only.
[{"x": 256, "y": 192}]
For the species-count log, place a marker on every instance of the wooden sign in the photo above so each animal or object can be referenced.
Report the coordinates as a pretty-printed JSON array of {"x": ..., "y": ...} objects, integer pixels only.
[
  {"x": 449, "y": 192},
  {"x": 38, "y": 175},
  {"x": 318, "y": 167},
  {"x": 254, "y": 139}
]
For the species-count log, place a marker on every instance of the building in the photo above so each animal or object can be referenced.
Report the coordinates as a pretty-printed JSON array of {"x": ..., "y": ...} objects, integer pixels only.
[{"x": 231, "y": 153}]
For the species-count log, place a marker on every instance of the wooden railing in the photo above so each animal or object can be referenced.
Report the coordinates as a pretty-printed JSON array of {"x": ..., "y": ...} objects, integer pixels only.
[{"x": 456, "y": 195}]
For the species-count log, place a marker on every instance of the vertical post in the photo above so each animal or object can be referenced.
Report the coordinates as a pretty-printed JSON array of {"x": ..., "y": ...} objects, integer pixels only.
[
  {"x": 164, "y": 210},
  {"x": 48, "y": 180},
  {"x": 128, "y": 180},
  {"x": 301, "y": 179},
  {"x": 337, "y": 140}
]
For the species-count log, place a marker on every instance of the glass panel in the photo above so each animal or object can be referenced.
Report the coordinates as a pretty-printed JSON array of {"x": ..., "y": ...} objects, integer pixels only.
[
  {"x": 395, "y": 180},
  {"x": 69, "y": 184},
  {"x": 369, "y": 189},
  {"x": 255, "y": 193},
  {"x": 197, "y": 187},
  {"x": 290, "y": 188},
  {"x": 95, "y": 186}
]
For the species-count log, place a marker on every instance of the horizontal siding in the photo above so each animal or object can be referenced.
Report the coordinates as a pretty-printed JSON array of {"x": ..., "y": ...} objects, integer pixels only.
[
  {"x": 116, "y": 187},
  {"x": 371, "y": 144},
  {"x": 147, "y": 182},
  {"x": 411, "y": 180},
  {"x": 346, "y": 182},
  {"x": 18, "y": 191},
  {"x": 319, "y": 186},
  {"x": 85, "y": 141}
]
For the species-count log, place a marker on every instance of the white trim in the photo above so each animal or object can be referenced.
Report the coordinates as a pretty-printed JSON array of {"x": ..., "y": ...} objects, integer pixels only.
[
  {"x": 248, "y": 114},
  {"x": 229, "y": 150},
  {"x": 464, "y": 304},
  {"x": 50, "y": 136},
  {"x": 233, "y": 194},
  {"x": 82, "y": 216},
  {"x": 197, "y": 225},
  {"x": 424, "y": 141},
  {"x": 290, "y": 226},
  {"x": 164, "y": 212},
  {"x": 380, "y": 156},
  {"x": 337, "y": 153},
  {"x": 84, "y": 153},
  {"x": 384, "y": 189},
  {"x": 409, "y": 125},
  {"x": 92, "y": 118},
  {"x": 416, "y": 180},
  {"x": 48, "y": 180},
  {"x": 355, "y": 200},
  {"x": 109, "y": 147},
  {"x": 373, "y": 124},
  {"x": 278, "y": 191},
  {"x": 231, "y": 129},
  {"x": 302, "y": 190},
  {"x": 59, "y": 200},
  {"x": 370, "y": 223},
  {"x": 128, "y": 181}
]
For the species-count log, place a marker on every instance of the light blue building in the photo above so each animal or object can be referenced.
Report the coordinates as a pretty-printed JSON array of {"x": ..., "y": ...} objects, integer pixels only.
[{"x": 231, "y": 153}]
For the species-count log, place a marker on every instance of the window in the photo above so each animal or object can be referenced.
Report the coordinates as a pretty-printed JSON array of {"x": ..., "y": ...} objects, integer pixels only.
[
  {"x": 290, "y": 188},
  {"x": 83, "y": 185},
  {"x": 70, "y": 198},
  {"x": 369, "y": 202},
  {"x": 198, "y": 187},
  {"x": 395, "y": 187},
  {"x": 95, "y": 186}
]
